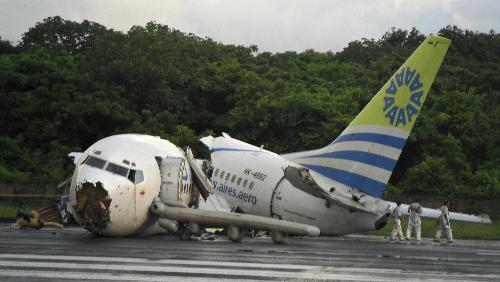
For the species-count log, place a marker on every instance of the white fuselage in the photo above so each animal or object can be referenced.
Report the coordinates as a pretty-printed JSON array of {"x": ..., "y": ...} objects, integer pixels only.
[
  {"x": 252, "y": 179},
  {"x": 112, "y": 195},
  {"x": 130, "y": 176}
]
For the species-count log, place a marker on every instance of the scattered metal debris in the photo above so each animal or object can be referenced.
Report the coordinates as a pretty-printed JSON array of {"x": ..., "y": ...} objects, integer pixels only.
[{"x": 32, "y": 220}]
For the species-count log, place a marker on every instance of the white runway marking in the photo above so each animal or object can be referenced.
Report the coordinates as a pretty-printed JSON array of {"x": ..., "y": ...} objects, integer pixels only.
[
  {"x": 126, "y": 269},
  {"x": 161, "y": 261},
  {"x": 489, "y": 254},
  {"x": 101, "y": 276}
]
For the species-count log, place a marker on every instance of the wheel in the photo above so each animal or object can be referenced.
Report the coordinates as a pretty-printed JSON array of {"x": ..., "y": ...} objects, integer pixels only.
[{"x": 184, "y": 233}]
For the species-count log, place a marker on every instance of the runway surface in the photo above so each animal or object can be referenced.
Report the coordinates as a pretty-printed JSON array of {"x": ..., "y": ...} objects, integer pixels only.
[{"x": 72, "y": 253}]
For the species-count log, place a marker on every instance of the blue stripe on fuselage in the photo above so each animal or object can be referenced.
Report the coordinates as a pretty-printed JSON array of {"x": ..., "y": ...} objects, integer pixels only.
[
  {"x": 365, "y": 184},
  {"x": 360, "y": 156},
  {"x": 233, "y": 150},
  {"x": 383, "y": 139}
]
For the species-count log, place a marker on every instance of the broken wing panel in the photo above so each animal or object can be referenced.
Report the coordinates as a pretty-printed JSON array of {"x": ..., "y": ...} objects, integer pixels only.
[
  {"x": 76, "y": 156},
  {"x": 200, "y": 178}
]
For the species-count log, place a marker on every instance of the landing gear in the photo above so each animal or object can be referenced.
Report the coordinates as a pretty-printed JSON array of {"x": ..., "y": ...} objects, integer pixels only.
[
  {"x": 234, "y": 234},
  {"x": 279, "y": 237},
  {"x": 184, "y": 233}
]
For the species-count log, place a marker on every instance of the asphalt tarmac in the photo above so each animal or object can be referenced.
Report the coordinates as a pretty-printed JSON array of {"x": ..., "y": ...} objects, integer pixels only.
[{"x": 74, "y": 254}]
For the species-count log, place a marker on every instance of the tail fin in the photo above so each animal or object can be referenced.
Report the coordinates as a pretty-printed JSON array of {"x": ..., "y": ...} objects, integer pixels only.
[{"x": 365, "y": 154}]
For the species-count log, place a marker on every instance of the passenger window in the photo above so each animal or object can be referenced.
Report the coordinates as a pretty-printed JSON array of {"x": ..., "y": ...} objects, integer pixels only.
[
  {"x": 216, "y": 172},
  {"x": 227, "y": 176},
  {"x": 245, "y": 183},
  {"x": 251, "y": 185},
  {"x": 239, "y": 181},
  {"x": 221, "y": 174},
  {"x": 95, "y": 162},
  {"x": 233, "y": 178}
]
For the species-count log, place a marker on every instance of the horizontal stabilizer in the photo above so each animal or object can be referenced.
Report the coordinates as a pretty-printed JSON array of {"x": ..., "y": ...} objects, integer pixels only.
[{"x": 301, "y": 179}]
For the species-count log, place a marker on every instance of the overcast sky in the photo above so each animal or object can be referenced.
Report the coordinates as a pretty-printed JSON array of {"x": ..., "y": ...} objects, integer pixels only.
[{"x": 272, "y": 25}]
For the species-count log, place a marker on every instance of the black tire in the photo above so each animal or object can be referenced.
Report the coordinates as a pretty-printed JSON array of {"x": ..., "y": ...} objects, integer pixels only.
[{"x": 184, "y": 233}]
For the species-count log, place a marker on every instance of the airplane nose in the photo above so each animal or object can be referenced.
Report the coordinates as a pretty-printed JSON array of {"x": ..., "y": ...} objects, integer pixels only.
[
  {"x": 101, "y": 201},
  {"x": 92, "y": 206}
]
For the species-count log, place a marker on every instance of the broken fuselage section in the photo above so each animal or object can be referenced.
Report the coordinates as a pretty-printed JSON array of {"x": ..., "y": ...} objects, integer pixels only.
[
  {"x": 140, "y": 185},
  {"x": 115, "y": 181}
]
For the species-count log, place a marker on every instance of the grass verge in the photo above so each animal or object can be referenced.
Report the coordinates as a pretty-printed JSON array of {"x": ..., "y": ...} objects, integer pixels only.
[{"x": 8, "y": 212}]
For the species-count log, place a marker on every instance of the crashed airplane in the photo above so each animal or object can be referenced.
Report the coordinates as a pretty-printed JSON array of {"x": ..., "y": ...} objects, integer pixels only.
[{"x": 134, "y": 184}]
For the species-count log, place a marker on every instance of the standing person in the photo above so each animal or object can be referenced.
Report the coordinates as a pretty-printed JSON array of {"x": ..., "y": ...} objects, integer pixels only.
[
  {"x": 397, "y": 213},
  {"x": 444, "y": 224},
  {"x": 415, "y": 210}
]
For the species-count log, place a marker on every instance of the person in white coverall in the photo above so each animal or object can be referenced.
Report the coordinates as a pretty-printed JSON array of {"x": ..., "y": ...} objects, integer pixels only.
[
  {"x": 397, "y": 214},
  {"x": 443, "y": 224},
  {"x": 415, "y": 210}
]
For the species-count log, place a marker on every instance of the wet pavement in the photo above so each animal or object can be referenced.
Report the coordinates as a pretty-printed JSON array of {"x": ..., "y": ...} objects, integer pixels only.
[{"x": 75, "y": 254}]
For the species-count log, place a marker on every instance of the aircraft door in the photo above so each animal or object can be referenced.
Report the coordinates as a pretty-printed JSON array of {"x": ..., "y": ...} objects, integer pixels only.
[
  {"x": 171, "y": 174},
  {"x": 185, "y": 194},
  {"x": 277, "y": 199}
]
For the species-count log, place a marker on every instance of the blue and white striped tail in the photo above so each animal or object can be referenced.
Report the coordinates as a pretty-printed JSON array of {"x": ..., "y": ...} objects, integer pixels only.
[
  {"x": 362, "y": 157},
  {"x": 365, "y": 154}
]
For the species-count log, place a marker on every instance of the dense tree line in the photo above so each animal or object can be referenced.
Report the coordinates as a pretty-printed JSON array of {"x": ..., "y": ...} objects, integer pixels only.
[{"x": 68, "y": 84}]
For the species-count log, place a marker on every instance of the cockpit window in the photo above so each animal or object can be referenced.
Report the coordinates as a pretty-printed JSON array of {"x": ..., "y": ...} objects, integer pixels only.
[
  {"x": 131, "y": 175},
  {"x": 117, "y": 169},
  {"x": 95, "y": 162},
  {"x": 136, "y": 176},
  {"x": 139, "y": 176}
]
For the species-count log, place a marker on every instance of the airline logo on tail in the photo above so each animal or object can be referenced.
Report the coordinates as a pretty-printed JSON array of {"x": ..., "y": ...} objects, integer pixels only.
[
  {"x": 365, "y": 154},
  {"x": 403, "y": 97}
]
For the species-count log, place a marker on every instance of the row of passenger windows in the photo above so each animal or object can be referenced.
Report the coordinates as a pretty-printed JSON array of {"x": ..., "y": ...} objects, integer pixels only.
[
  {"x": 136, "y": 176},
  {"x": 233, "y": 179}
]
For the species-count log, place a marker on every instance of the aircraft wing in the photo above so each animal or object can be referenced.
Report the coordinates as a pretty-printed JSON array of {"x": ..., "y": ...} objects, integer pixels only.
[
  {"x": 435, "y": 213},
  {"x": 225, "y": 219}
]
